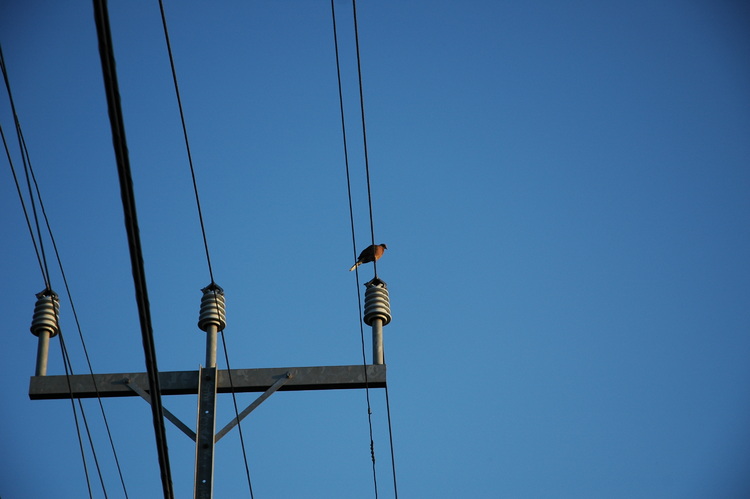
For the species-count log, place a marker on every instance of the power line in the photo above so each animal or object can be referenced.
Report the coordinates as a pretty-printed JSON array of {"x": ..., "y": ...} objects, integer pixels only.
[
  {"x": 354, "y": 246},
  {"x": 40, "y": 251},
  {"x": 78, "y": 327},
  {"x": 390, "y": 439},
  {"x": 86, "y": 355},
  {"x": 106, "y": 52},
  {"x": 68, "y": 373},
  {"x": 187, "y": 142},
  {"x": 23, "y": 204},
  {"x": 237, "y": 415},
  {"x": 205, "y": 238},
  {"x": 75, "y": 417},
  {"x": 372, "y": 224},
  {"x": 31, "y": 177},
  {"x": 364, "y": 129}
]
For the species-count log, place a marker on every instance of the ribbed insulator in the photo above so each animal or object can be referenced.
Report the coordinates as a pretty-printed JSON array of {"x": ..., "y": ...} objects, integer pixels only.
[
  {"x": 46, "y": 312},
  {"x": 377, "y": 304},
  {"x": 212, "y": 308}
]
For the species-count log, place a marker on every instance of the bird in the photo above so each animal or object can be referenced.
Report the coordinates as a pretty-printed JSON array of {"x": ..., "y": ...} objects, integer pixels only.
[{"x": 369, "y": 254}]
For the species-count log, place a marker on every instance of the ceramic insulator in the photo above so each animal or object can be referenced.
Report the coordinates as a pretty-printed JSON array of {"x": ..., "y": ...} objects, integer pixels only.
[
  {"x": 377, "y": 304},
  {"x": 212, "y": 309},
  {"x": 46, "y": 312}
]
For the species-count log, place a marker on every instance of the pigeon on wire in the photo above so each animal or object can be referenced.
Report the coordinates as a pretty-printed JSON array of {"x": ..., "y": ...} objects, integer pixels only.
[{"x": 369, "y": 254}]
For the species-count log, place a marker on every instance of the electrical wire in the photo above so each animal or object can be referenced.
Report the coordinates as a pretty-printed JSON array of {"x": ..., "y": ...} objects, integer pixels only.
[
  {"x": 69, "y": 372},
  {"x": 40, "y": 252},
  {"x": 364, "y": 129},
  {"x": 48, "y": 289},
  {"x": 205, "y": 238},
  {"x": 237, "y": 415},
  {"x": 78, "y": 325},
  {"x": 66, "y": 359},
  {"x": 187, "y": 142},
  {"x": 109, "y": 73},
  {"x": 75, "y": 417},
  {"x": 23, "y": 204},
  {"x": 390, "y": 439},
  {"x": 372, "y": 224},
  {"x": 354, "y": 246}
]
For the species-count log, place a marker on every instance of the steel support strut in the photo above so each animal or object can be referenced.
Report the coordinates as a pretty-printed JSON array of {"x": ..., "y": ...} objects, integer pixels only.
[{"x": 204, "y": 445}]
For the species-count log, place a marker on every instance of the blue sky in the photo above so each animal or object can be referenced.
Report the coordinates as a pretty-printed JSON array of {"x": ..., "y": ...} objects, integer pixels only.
[{"x": 563, "y": 188}]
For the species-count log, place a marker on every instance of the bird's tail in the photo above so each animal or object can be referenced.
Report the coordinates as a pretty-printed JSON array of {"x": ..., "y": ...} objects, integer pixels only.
[{"x": 355, "y": 266}]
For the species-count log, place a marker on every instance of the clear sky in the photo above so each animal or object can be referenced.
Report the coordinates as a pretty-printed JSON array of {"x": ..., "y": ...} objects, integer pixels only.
[{"x": 564, "y": 188}]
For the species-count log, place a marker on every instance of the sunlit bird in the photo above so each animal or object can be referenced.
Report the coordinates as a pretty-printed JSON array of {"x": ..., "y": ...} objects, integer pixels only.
[{"x": 369, "y": 254}]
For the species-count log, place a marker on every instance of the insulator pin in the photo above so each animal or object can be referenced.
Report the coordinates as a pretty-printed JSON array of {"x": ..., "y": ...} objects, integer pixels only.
[
  {"x": 377, "y": 304},
  {"x": 46, "y": 312},
  {"x": 213, "y": 311}
]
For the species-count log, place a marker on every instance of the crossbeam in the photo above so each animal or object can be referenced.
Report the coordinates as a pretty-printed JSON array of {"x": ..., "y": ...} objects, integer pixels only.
[{"x": 186, "y": 382}]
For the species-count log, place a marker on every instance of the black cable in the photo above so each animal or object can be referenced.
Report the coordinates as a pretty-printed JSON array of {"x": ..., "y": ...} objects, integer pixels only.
[
  {"x": 187, "y": 142},
  {"x": 390, "y": 438},
  {"x": 237, "y": 415},
  {"x": 372, "y": 224},
  {"x": 69, "y": 372},
  {"x": 203, "y": 231},
  {"x": 45, "y": 274},
  {"x": 367, "y": 390},
  {"x": 354, "y": 247},
  {"x": 40, "y": 253},
  {"x": 23, "y": 204},
  {"x": 80, "y": 335},
  {"x": 75, "y": 316},
  {"x": 106, "y": 52},
  {"x": 33, "y": 208},
  {"x": 364, "y": 130},
  {"x": 66, "y": 357},
  {"x": 75, "y": 417}
]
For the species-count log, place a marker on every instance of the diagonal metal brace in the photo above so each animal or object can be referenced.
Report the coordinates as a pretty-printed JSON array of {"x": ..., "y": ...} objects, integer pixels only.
[
  {"x": 278, "y": 384},
  {"x": 145, "y": 396}
]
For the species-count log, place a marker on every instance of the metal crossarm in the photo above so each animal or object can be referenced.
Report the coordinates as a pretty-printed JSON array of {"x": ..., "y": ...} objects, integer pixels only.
[{"x": 186, "y": 382}]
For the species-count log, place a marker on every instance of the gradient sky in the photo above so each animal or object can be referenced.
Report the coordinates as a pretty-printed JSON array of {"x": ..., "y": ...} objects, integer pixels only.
[{"x": 564, "y": 188}]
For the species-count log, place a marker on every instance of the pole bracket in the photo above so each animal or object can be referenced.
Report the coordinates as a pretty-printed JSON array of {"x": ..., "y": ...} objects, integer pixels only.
[
  {"x": 171, "y": 417},
  {"x": 234, "y": 422}
]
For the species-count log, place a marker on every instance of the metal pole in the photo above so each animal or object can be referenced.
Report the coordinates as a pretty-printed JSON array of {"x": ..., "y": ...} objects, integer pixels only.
[
  {"x": 42, "y": 353},
  {"x": 211, "y": 319},
  {"x": 377, "y": 341},
  {"x": 204, "y": 442},
  {"x": 211, "y": 338}
]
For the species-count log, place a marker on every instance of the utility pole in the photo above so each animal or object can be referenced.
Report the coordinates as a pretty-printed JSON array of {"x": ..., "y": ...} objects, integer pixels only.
[{"x": 209, "y": 381}]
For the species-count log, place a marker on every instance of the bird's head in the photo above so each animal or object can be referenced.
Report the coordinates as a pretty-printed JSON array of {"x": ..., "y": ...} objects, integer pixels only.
[{"x": 383, "y": 246}]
